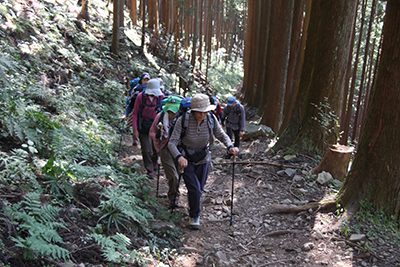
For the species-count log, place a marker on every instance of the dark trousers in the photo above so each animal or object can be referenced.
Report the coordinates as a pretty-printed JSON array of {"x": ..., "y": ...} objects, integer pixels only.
[
  {"x": 148, "y": 152},
  {"x": 195, "y": 177},
  {"x": 231, "y": 132}
]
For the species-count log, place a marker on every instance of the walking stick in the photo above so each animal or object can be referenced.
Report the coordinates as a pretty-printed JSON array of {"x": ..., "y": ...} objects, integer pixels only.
[
  {"x": 177, "y": 189},
  {"x": 233, "y": 181},
  {"x": 159, "y": 126},
  {"x": 120, "y": 139}
]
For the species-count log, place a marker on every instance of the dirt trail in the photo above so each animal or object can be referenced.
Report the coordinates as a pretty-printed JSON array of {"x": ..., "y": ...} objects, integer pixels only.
[{"x": 307, "y": 238}]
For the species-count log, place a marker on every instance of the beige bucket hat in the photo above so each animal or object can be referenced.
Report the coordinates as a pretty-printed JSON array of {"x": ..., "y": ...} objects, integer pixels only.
[{"x": 201, "y": 103}]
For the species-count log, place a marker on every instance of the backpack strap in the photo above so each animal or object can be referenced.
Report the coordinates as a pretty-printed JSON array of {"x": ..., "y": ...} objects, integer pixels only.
[
  {"x": 157, "y": 106},
  {"x": 210, "y": 122},
  {"x": 185, "y": 123}
]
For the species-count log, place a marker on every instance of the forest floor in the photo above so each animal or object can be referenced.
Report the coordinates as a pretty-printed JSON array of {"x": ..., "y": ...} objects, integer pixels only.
[{"x": 267, "y": 229}]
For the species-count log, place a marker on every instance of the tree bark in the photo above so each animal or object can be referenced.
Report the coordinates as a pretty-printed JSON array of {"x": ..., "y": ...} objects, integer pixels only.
[
  {"x": 361, "y": 88},
  {"x": 375, "y": 175},
  {"x": 115, "y": 36},
  {"x": 133, "y": 11},
  {"x": 323, "y": 75},
  {"x": 84, "y": 13},
  {"x": 295, "y": 55},
  {"x": 248, "y": 58},
  {"x": 347, "y": 118},
  {"x": 277, "y": 63},
  {"x": 291, "y": 130},
  {"x": 343, "y": 126}
]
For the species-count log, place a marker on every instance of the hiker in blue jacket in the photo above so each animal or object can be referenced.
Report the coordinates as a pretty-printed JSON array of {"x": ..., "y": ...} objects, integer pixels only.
[{"x": 142, "y": 85}]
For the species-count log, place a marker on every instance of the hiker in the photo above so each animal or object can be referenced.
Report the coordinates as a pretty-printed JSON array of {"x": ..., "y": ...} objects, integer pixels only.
[
  {"x": 170, "y": 168},
  {"x": 192, "y": 153},
  {"x": 162, "y": 86},
  {"x": 218, "y": 110},
  {"x": 147, "y": 104},
  {"x": 235, "y": 117},
  {"x": 142, "y": 84}
]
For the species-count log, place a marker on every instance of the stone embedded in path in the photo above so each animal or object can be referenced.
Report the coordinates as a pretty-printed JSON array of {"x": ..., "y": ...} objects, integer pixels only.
[
  {"x": 357, "y": 237},
  {"x": 324, "y": 177},
  {"x": 290, "y": 172}
]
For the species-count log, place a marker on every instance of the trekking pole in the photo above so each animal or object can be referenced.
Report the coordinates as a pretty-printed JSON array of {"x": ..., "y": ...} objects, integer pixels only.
[
  {"x": 120, "y": 139},
  {"x": 177, "y": 188},
  {"x": 159, "y": 127},
  {"x": 233, "y": 181}
]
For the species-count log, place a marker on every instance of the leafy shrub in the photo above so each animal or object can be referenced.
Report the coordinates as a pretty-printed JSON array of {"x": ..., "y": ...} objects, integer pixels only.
[{"x": 122, "y": 208}]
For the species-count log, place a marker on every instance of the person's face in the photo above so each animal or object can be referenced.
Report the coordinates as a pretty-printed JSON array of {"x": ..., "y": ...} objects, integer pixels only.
[
  {"x": 170, "y": 114},
  {"x": 234, "y": 104},
  {"x": 145, "y": 80},
  {"x": 200, "y": 115}
]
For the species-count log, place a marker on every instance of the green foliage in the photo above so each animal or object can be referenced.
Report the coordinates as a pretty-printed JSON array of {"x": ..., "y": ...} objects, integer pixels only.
[
  {"x": 61, "y": 96},
  {"x": 224, "y": 74},
  {"x": 374, "y": 223},
  {"x": 327, "y": 118},
  {"x": 120, "y": 207},
  {"x": 115, "y": 248},
  {"x": 37, "y": 226},
  {"x": 59, "y": 178},
  {"x": 15, "y": 170}
]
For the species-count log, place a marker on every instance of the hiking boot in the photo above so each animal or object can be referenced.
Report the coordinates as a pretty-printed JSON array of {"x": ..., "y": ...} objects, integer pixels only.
[
  {"x": 194, "y": 223},
  {"x": 155, "y": 166},
  {"x": 174, "y": 204},
  {"x": 150, "y": 175}
]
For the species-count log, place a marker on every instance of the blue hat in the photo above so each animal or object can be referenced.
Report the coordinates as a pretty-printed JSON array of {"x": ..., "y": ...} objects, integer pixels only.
[{"x": 231, "y": 101}]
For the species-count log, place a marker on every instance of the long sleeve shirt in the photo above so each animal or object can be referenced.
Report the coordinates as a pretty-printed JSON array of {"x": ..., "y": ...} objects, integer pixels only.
[
  {"x": 147, "y": 112},
  {"x": 153, "y": 131},
  {"x": 235, "y": 119},
  {"x": 196, "y": 137}
]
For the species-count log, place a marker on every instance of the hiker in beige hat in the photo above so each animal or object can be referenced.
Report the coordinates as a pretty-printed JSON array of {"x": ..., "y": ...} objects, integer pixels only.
[{"x": 191, "y": 150}]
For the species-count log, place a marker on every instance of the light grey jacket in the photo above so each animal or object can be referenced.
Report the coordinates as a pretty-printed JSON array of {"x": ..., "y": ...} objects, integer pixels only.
[{"x": 196, "y": 137}]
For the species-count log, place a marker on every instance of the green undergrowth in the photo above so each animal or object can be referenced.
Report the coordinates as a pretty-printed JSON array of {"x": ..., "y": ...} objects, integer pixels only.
[{"x": 61, "y": 95}]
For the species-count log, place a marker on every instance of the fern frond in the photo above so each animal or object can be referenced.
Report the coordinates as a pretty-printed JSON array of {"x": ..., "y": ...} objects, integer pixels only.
[
  {"x": 49, "y": 213},
  {"x": 122, "y": 240},
  {"x": 114, "y": 247}
]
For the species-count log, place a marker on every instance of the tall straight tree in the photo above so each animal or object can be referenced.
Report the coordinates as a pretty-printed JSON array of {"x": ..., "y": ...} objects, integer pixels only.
[
  {"x": 357, "y": 123},
  {"x": 347, "y": 103},
  {"x": 294, "y": 112},
  {"x": 323, "y": 75},
  {"x": 153, "y": 16},
  {"x": 375, "y": 174},
  {"x": 248, "y": 80},
  {"x": 116, "y": 21},
  {"x": 133, "y": 11},
  {"x": 261, "y": 51},
  {"x": 277, "y": 62}
]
